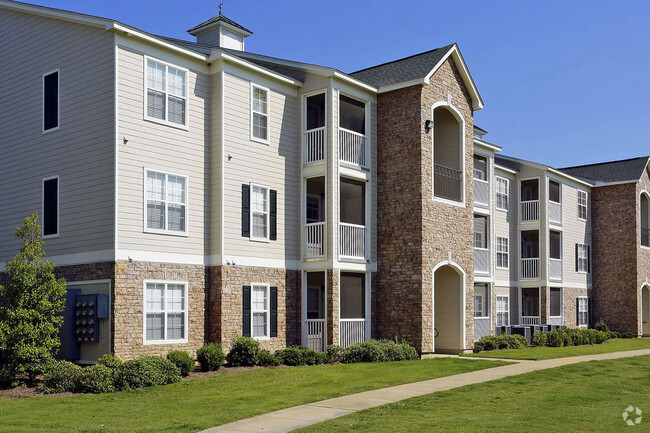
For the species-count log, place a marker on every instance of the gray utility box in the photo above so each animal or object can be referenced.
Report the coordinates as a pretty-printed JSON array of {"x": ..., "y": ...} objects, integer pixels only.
[
  {"x": 522, "y": 330},
  {"x": 88, "y": 310}
]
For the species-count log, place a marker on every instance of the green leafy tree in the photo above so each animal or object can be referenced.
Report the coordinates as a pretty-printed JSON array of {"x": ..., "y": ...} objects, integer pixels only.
[{"x": 31, "y": 317}]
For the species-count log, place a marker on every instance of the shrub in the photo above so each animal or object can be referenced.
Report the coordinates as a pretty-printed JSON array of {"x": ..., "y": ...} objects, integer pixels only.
[
  {"x": 96, "y": 379},
  {"x": 146, "y": 371},
  {"x": 182, "y": 360},
  {"x": 210, "y": 357},
  {"x": 109, "y": 360},
  {"x": 267, "y": 359},
  {"x": 379, "y": 351},
  {"x": 601, "y": 337},
  {"x": 333, "y": 353},
  {"x": 243, "y": 352},
  {"x": 299, "y": 355},
  {"x": 503, "y": 341},
  {"x": 539, "y": 339},
  {"x": 628, "y": 335},
  {"x": 60, "y": 376},
  {"x": 557, "y": 338},
  {"x": 613, "y": 334},
  {"x": 601, "y": 326}
]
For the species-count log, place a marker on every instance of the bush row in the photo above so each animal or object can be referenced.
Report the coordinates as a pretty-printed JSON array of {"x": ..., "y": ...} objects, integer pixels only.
[
  {"x": 503, "y": 341},
  {"x": 570, "y": 337}
]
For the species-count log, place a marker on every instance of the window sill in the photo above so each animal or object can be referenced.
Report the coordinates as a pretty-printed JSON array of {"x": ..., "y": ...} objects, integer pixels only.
[
  {"x": 159, "y": 342},
  {"x": 261, "y": 338},
  {"x": 501, "y": 209},
  {"x": 50, "y": 236},
  {"x": 502, "y": 269},
  {"x": 259, "y": 140},
  {"x": 166, "y": 232},
  {"x": 449, "y": 202},
  {"x": 47, "y": 131},
  {"x": 261, "y": 240},
  {"x": 166, "y": 123}
]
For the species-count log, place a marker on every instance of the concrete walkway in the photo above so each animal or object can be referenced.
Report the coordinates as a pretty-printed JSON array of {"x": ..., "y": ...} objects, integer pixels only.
[{"x": 296, "y": 417}]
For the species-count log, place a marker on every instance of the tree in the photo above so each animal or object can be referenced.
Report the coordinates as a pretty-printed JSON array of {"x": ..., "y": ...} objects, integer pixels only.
[{"x": 34, "y": 301}]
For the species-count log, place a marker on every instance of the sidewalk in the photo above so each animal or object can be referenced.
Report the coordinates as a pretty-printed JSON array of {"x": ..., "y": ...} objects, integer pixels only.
[{"x": 296, "y": 417}]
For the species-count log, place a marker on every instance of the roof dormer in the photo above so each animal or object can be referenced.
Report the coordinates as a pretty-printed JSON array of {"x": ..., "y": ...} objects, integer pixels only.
[{"x": 221, "y": 32}]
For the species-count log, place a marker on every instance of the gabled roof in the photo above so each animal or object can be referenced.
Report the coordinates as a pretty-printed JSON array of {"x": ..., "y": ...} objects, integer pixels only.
[
  {"x": 418, "y": 69},
  {"x": 626, "y": 170},
  {"x": 214, "y": 20},
  {"x": 517, "y": 163}
]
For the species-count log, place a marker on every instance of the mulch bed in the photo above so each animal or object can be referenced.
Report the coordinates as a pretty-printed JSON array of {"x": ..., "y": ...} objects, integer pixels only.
[{"x": 25, "y": 392}]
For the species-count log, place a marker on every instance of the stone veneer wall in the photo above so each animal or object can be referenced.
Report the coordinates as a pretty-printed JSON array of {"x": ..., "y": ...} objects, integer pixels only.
[
  {"x": 615, "y": 237},
  {"x": 332, "y": 306},
  {"x": 228, "y": 293},
  {"x": 570, "y": 305},
  {"x": 415, "y": 233},
  {"x": 643, "y": 254}
]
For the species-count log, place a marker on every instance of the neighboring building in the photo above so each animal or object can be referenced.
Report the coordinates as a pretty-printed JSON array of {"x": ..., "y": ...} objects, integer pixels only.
[{"x": 208, "y": 192}]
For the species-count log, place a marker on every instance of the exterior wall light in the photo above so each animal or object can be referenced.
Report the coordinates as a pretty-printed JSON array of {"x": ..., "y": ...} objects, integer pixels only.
[{"x": 428, "y": 125}]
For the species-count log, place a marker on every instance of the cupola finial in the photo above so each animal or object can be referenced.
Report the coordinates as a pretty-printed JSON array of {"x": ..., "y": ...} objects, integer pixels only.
[{"x": 220, "y": 7}]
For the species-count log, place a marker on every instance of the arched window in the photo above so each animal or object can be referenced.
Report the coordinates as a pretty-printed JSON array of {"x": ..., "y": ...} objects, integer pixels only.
[
  {"x": 448, "y": 167},
  {"x": 645, "y": 225}
]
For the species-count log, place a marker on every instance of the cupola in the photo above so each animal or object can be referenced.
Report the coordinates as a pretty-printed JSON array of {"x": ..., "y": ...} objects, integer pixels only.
[{"x": 221, "y": 31}]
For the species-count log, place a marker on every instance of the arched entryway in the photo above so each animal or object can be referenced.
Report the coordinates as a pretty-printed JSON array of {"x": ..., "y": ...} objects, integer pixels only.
[
  {"x": 645, "y": 310},
  {"x": 448, "y": 308}
]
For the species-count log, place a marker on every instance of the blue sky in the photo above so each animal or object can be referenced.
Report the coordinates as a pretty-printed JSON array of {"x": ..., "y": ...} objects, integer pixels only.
[{"x": 564, "y": 82}]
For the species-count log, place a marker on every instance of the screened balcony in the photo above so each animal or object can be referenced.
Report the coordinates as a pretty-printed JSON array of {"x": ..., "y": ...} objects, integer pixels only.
[
  {"x": 314, "y": 234},
  {"x": 555, "y": 256},
  {"x": 530, "y": 263},
  {"x": 554, "y": 203},
  {"x": 352, "y": 131},
  {"x": 352, "y": 326},
  {"x": 529, "y": 200},
  {"x": 447, "y": 155},
  {"x": 481, "y": 181},
  {"x": 645, "y": 221},
  {"x": 315, "y": 132},
  {"x": 314, "y": 326},
  {"x": 481, "y": 245},
  {"x": 352, "y": 226},
  {"x": 530, "y": 307}
]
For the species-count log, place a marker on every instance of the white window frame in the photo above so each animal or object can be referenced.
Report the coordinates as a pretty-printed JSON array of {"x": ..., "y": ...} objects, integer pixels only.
[
  {"x": 559, "y": 191},
  {"x": 583, "y": 258},
  {"x": 267, "y": 114},
  {"x": 506, "y": 311},
  {"x": 583, "y": 207},
  {"x": 583, "y": 308},
  {"x": 561, "y": 302},
  {"x": 505, "y": 194},
  {"x": 164, "y": 311},
  {"x": 475, "y": 170},
  {"x": 501, "y": 252},
  {"x": 166, "y": 231},
  {"x": 268, "y": 212},
  {"x": 58, "y": 101},
  {"x": 58, "y": 205},
  {"x": 481, "y": 302},
  {"x": 184, "y": 126},
  {"x": 267, "y": 297}
]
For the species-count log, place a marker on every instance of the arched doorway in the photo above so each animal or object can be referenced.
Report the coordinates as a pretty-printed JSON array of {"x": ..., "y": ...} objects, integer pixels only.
[
  {"x": 645, "y": 310},
  {"x": 448, "y": 309}
]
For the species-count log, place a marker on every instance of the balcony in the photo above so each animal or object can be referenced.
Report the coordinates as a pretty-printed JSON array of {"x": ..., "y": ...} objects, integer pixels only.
[
  {"x": 352, "y": 239},
  {"x": 555, "y": 212},
  {"x": 352, "y": 147},
  {"x": 481, "y": 192},
  {"x": 530, "y": 210},
  {"x": 315, "y": 145},
  {"x": 481, "y": 260},
  {"x": 530, "y": 268},
  {"x": 645, "y": 236},
  {"x": 315, "y": 334},
  {"x": 315, "y": 240},
  {"x": 529, "y": 320},
  {"x": 447, "y": 182},
  {"x": 352, "y": 331},
  {"x": 555, "y": 269}
]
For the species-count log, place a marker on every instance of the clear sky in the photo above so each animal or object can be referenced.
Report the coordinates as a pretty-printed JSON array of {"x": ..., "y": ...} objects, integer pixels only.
[{"x": 564, "y": 82}]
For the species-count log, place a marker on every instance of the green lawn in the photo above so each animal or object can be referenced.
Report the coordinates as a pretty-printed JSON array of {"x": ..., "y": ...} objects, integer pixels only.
[
  {"x": 585, "y": 397},
  {"x": 199, "y": 404},
  {"x": 538, "y": 353}
]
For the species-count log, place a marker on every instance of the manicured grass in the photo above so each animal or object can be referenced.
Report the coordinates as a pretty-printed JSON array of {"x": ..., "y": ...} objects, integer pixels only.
[
  {"x": 195, "y": 405},
  {"x": 538, "y": 353},
  {"x": 585, "y": 397}
]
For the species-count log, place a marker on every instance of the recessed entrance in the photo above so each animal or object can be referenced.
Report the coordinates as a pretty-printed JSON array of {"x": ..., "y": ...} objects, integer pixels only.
[
  {"x": 645, "y": 310},
  {"x": 448, "y": 310}
]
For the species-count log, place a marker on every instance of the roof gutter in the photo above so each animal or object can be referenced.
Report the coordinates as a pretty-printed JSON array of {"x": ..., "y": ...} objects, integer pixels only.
[
  {"x": 220, "y": 55},
  {"x": 129, "y": 31}
]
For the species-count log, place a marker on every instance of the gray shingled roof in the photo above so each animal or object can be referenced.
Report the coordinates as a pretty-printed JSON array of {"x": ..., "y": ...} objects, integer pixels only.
[
  {"x": 218, "y": 18},
  {"x": 613, "y": 171},
  {"x": 402, "y": 70}
]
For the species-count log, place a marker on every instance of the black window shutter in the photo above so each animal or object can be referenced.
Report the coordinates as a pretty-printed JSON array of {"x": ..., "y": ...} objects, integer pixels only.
[
  {"x": 273, "y": 233},
  {"x": 576, "y": 257},
  {"x": 245, "y": 210},
  {"x": 274, "y": 312},
  {"x": 577, "y": 311},
  {"x": 246, "y": 317},
  {"x": 588, "y": 258}
]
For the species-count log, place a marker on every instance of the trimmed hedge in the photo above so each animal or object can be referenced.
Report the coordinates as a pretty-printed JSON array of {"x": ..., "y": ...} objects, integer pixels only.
[
  {"x": 379, "y": 351},
  {"x": 210, "y": 356},
  {"x": 182, "y": 360},
  {"x": 300, "y": 355},
  {"x": 628, "y": 335},
  {"x": 146, "y": 371},
  {"x": 333, "y": 353},
  {"x": 503, "y": 341},
  {"x": 539, "y": 339},
  {"x": 96, "y": 379},
  {"x": 243, "y": 353},
  {"x": 267, "y": 359},
  {"x": 60, "y": 376}
]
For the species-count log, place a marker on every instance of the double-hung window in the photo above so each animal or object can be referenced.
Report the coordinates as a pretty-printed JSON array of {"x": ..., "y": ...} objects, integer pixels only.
[
  {"x": 583, "y": 311},
  {"x": 478, "y": 305},
  {"x": 582, "y": 258},
  {"x": 260, "y": 310},
  {"x": 259, "y": 212},
  {"x": 165, "y": 311},
  {"x": 582, "y": 205},
  {"x": 502, "y": 193},
  {"x": 503, "y": 311},
  {"x": 166, "y": 93},
  {"x": 259, "y": 114},
  {"x": 166, "y": 203},
  {"x": 502, "y": 252},
  {"x": 480, "y": 231},
  {"x": 51, "y": 101}
]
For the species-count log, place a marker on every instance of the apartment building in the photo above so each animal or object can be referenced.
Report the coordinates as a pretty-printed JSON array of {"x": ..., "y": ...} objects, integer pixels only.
[{"x": 197, "y": 192}]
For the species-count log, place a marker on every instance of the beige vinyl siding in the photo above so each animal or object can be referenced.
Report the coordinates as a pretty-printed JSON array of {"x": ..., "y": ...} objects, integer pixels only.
[
  {"x": 215, "y": 156},
  {"x": 505, "y": 225},
  {"x": 373, "y": 179},
  {"x": 160, "y": 148},
  {"x": 81, "y": 152},
  {"x": 574, "y": 231},
  {"x": 275, "y": 165}
]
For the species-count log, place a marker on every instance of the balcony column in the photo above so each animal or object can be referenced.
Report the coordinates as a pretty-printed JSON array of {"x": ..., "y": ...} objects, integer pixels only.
[
  {"x": 545, "y": 305},
  {"x": 333, "y": 313}
]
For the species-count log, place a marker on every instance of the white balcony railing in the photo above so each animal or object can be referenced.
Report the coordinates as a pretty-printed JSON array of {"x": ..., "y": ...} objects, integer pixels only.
[
  {"x": 481, "y": 260},
  {"x": 530, "y": 320},
  {"x": 352, "y": 147},
  {"x": 315, "y": 145},
  {"x": 555, "y": 269},
  {"x": 314, "y": 240},
  {"x": 530, "y": 210},
  {"x": 530, "y": 268},
  {"x": 481, "y": 192},
  {"x": 352, "y": 331},
  {"x": 555, "y": 212},
  {"x": 352, "y": 241},
  {"x": 315, "y": 330}
]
